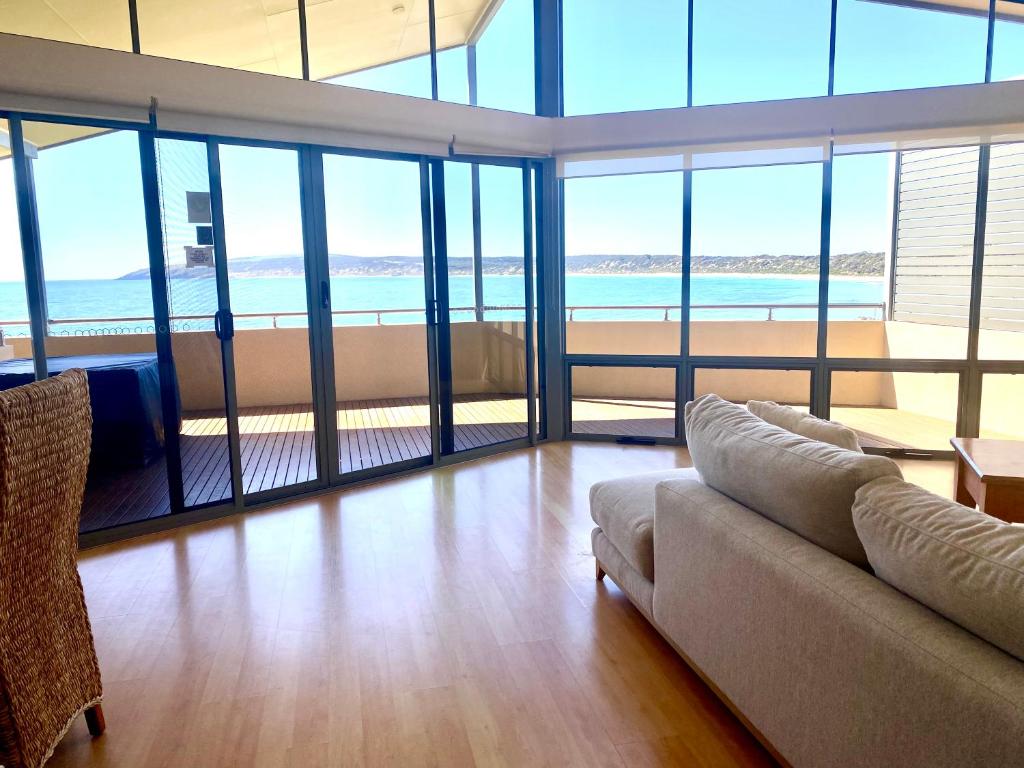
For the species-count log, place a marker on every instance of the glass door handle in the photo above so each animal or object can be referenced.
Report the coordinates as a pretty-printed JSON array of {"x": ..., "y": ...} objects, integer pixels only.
[
  {"x": 224, "y": 324},
  {"x": 325, "y": 294}
]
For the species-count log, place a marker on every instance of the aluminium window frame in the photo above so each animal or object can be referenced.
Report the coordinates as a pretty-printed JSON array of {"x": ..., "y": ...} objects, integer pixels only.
[
  {"x": 970, "y": 368},
  {"x": 534, "y": 174}
]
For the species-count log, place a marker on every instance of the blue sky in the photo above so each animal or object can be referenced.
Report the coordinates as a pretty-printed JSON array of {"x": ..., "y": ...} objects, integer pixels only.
[{"x": 618, "y": 56}]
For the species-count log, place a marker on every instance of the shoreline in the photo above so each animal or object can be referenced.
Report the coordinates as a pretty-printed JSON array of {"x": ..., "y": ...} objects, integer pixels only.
[{"x": 675, "y": 275}]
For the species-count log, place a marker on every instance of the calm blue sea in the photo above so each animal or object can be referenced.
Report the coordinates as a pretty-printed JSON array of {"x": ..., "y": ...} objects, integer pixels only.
[{"x": 79, "y": 299}]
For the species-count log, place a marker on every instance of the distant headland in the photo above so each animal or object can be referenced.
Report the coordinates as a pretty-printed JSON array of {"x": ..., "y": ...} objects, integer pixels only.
[{"x": 860, "y": 264}]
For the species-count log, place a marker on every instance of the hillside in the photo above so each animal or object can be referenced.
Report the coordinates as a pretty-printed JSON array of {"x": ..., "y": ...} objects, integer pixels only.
[{"x": 846, "y": 264}]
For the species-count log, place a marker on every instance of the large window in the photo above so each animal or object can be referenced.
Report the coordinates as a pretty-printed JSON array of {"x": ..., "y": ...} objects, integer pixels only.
[
  {"x": 930, "y": 275},
  {"x": 100, "y": 23},
  {"x": 883, "y": 46},
  {"x": 267, "y": 274},
  {"x": 620, "y": 56},
  {"x": 14, "y": 324},
  {"x": 623, "y": 246},
  {"x": 740, "y": 385},
  {"x": 632, "y": 402},
  {"x": 897, "y": 409},
  {"x": 755, "y": 263},
  {"x": 193, "y": 301},
  {"x": 1008, "y": 42},
  {"x": 491, "y": 64},
  {"x": 505, "y": 60},
  {"x": 375, "y": 238},
  {"x": 379, "y": 48},
  {"x": 99, "y": 313},
  {"x": 756, "y": 50},
  {"x": 861, "y": 236},
  {"x": 1002, "y": 300},
  {"x": 487, "y": 298},
  {"x": 1002, "y": 418},
  {"x": 241, "y": 34}
]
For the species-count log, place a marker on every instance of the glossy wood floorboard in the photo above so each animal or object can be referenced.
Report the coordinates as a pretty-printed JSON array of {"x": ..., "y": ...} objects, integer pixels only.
[{"x": 447, "y": 618}]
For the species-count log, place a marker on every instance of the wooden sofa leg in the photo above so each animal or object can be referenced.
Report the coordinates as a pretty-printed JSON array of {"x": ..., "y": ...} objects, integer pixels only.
[
  {"x": 95, "y": 721},
  {"x": 598, "y": 570}
]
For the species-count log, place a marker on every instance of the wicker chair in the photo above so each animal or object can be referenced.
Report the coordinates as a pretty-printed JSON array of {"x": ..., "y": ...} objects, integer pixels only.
[{"x": 49, "y": 674}]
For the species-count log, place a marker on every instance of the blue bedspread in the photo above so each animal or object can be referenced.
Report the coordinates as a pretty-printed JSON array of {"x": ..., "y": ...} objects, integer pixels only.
[{"x": 128, "y": 424}]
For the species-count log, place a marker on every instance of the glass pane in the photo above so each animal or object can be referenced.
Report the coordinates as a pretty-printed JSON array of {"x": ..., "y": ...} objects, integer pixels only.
[
  {"x": 1002, "y": 290},
  {"x": 505, "y": 61},
  {"x": 1008, "y": 45},
  {"x": 459, "y": 230},
  {"x": 1002, "y": 418},
  {"x": 625, "y": 400},
  {"x": 100, "y": 315},
  {"x": 619, "y": 57},
  {"x": 100, "y": 23},
  {"x": 240, "y": 34},
  {"x": 453, "y": 75},
  {"x": 756, "y": 244},
  {"x": 882, "y": 46},
  {"x": 738, "y": 385},
  {"x": 861, "y": 237},
  {"x": 375, "y": 238},
  {"x": 192, "y": 296},
  {"x": 935, "y": 242},
  {"x": 754, "y": 51},
  {"x": 15, "y": 333},
  {"x": 623, "y": 246},
  {"x": 267, "y": 275},
  {"x": 488, "y": 328},
  {"x": 384, "y": 47},
  {"x": 897, "y": 410}
]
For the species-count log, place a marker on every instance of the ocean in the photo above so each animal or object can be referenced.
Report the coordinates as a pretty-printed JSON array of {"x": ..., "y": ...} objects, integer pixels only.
[{"x": 116, "y": 300}]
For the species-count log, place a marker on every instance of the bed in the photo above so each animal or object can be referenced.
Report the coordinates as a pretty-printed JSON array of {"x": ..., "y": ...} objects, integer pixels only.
[{"x": 124, "y": 390}]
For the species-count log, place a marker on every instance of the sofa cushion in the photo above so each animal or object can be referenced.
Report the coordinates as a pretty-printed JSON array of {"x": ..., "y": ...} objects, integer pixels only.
[
  {"x": 804, "y": 424},
  {"x": 805, "y": 485},
  {"x": 624, "y": 510},
  {"x": 958, "y": 561}
]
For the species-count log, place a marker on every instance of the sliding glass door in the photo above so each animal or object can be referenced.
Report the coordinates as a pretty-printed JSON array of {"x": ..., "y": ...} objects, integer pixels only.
[
  {"x": 238, "y": 299},
  {"x": 483, "y": 244},
  {"x": 258, "y": 321},
  {"x": 98, "y": 312},
  {"x": 377, "y": 263},
  {"x": 264, "y": 249},
  {"x": 431, "y": 309},
  {"x": 195, "y": 276}
]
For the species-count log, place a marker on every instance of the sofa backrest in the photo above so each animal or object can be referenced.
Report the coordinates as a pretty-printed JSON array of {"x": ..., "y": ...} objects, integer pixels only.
[{"x": 802, "y": 484}]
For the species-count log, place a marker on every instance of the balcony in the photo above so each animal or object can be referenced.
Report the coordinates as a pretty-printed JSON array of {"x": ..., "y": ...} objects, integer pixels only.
[{"x": 385, "y": 416}]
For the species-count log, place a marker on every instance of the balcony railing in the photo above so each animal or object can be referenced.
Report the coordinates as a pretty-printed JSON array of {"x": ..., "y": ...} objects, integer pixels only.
[{"x": 124, "y": 325}]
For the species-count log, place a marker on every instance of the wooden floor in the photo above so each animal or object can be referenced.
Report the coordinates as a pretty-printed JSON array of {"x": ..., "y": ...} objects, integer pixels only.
[
  {"x": 374, "y": 433},
  {"x": 634, "y": 418},
  {"x": 277, "y": 446},
  {"x": 448, "y": 618}
]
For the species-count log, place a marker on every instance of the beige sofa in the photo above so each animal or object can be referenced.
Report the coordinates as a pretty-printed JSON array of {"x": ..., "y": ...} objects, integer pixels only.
[{"x": 827, "y": 664}]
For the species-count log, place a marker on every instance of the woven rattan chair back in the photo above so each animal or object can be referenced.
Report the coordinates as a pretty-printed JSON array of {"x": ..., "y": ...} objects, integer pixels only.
[{"x": 48, "y": 669}]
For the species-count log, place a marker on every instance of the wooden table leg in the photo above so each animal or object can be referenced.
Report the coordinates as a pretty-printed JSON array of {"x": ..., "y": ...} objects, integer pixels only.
[
  {"x": 963, "y": 496},
  {"x": 1003, "y": 501}
]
